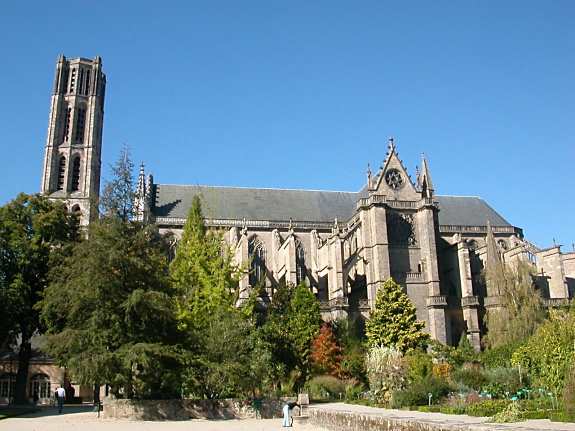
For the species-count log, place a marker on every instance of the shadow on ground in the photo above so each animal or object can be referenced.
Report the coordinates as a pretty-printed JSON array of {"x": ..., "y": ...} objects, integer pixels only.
[{"x": 37, "y": 412}]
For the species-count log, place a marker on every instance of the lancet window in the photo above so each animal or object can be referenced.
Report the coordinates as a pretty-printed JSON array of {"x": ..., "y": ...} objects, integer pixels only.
[
  {"x": 257, "y": 253},
  {"x": 61, "y": 172},
  {"x": 300, "y": 262},
  {"x": 76, "y": 174}
]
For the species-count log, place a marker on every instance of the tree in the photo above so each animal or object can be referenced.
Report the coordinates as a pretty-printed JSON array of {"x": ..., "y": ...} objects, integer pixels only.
[
  {"x": 110, "y": 313},
  {"x": 202, "y": 272},
  {"x": 33, "y": 231},
  {"x": 119, "y": 192},
  {"x": 521, "y": 309},
  {"x": 229, "y": 359},
  {"x": 293, "y": 321},
  {"x": 393, "y": 322},
  {"x": 550, "y": 352},
  {"x": 326, "y": 353}
]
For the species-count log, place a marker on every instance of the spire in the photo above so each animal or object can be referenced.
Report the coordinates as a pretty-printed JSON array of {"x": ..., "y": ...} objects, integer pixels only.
[
  {"x": 368, "y": 176},
  {"x": 424, "y": 179},
  {"x": 141, "y": 195},
  {"x": 493, "y": 257}
]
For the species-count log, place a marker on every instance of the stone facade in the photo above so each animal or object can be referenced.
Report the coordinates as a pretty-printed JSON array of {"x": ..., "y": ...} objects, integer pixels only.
[{"x": 343, "y": 245}]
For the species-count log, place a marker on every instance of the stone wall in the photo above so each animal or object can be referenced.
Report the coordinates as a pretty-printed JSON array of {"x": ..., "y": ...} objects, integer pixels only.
[
  {"x": 189, "y": 409},
  {"x": 355, "y": 421}
]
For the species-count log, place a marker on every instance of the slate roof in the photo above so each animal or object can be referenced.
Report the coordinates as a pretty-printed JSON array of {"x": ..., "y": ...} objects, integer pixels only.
[{"x": 236, "y": 203}]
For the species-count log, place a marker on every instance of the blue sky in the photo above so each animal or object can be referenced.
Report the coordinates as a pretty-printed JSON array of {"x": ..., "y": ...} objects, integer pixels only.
[{"x": 300, "y": 94}]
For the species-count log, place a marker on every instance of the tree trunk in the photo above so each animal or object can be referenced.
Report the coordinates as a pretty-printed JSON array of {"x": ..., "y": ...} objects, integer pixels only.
[
  {"x": 96, "y": 393},
  {"x": 24, "y": 354}
]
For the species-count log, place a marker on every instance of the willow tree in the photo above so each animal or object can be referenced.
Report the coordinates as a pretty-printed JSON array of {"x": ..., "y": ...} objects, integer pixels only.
[{"x": 520, "y": 310}]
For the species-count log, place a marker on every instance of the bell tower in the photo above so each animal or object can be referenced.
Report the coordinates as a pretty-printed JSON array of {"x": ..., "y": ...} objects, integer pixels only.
[{"x": 72, "y": 160}]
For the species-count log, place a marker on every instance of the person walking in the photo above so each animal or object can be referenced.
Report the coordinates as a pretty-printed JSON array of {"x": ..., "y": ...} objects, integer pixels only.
[
  {"x": 60, "y": 397},
  {"x": 288, "y": 407}
]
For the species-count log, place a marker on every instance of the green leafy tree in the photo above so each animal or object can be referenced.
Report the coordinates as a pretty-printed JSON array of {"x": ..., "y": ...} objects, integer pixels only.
[
  {"x": 202, "y": 272},
  {"x": 229, "y": 359},
  {"x": 521, "y": 310},
  {"x": 292, "y": 322},
  {"x": 119, "y": 192},
  {"x": 110, "y": 314},
  {"x": 550, "y": 352},
  {"x": 393, "y": 322},
  {"x": 33, "y": 231}
]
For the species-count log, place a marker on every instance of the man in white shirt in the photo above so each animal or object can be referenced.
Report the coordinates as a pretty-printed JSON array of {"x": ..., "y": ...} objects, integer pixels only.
[{"x": 60, "y": 396}]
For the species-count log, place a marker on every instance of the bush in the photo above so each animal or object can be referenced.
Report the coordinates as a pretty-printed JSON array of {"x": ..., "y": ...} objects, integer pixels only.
[
  {"x": 502, "y": 381},
  {"x": 420, "y": 365},
  {"x": 486, "y": 407},
  {"x": 549, "y": 353},
  {"x": 471, "y": 377},
  {"x": 418, "y": 392},
  {"x": 569, "y": 392},
  {"x": 511, "y": 413},
  {"x": 354, "y": 391},
  {"x": 387, "y": 372},
  {"x": 353, "y": 363},
  {"x": 325, "y": 388},
  {"x": 498, "y": 357}
]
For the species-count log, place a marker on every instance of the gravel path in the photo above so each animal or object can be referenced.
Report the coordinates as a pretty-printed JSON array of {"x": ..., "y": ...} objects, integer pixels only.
[{"x": 78, "y": 418}]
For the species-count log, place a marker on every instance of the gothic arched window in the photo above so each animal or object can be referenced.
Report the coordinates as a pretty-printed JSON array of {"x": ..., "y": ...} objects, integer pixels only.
[
  {"x": 80, "y": 125},
  {"x": 257, "y": 253},
  {"x": 300, "y": 270},
  {"x": 76, "y": 174},
  {"x": 502, "y": 245},
  {"x": 61, "y": 172}
]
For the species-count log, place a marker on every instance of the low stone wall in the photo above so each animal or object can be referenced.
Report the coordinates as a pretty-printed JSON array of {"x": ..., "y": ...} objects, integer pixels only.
[
  {"x": 153, "y": 410},
  {"x": 355, "y": 421}
]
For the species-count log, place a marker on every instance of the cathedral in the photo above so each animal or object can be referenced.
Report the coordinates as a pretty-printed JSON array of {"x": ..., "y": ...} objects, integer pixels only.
[{"x": 343, "y": 245}]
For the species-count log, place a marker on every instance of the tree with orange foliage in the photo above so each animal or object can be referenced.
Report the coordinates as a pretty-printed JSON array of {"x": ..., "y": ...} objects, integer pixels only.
[{"x": 326, "y": 353}]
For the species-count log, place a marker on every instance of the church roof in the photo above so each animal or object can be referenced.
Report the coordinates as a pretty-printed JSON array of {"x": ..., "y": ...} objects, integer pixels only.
[{"x": 237, "y": 203}]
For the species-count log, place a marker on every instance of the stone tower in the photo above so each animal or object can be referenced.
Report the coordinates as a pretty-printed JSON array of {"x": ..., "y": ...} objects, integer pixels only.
[{"x": 73, "y": 146}]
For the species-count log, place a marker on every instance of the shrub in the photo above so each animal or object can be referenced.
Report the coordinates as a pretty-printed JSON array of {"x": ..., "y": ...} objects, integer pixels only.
[
  {"x": 498, "y": 357},
  {"x": 502, "y": 381},
  {"x": 420, "y": 365},
  {"x": 486, "y": 407},
  {"x": 353, "y": 364},
  {"x": 386, "y": 371},
  {"x": 470, "y": 377},
  {"x": 418, "y": 392},
  {"x": 549, "y": 353},
  {"x": 569, "y": 392},
  {"x": 511, "y": 413},
  {"x": 325, "y": 388},
  {"x": 354, "y": 391},
  {"x": 442, "y": 370}
]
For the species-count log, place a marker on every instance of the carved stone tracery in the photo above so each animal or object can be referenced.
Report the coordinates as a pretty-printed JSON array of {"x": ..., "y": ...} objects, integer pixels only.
[{"x": 401, "y": 229}]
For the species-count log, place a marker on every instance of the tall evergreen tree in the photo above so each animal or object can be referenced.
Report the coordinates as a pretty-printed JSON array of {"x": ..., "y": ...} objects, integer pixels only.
[
  {"x": 119, "y": 192},
  {"x": 202, "y": 272},
  {"x": 393, "y": 323},
  {"x": 34, "y": 231},
  {"x": 110, "y": 313}
]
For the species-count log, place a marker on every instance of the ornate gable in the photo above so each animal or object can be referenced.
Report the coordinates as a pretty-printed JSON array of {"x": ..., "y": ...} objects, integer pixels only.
[{"x": 393, "y": 179}]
